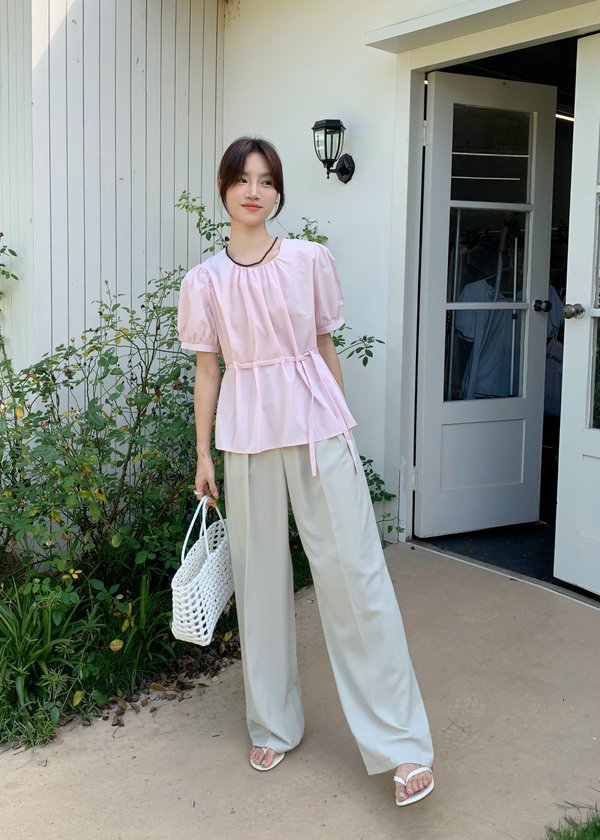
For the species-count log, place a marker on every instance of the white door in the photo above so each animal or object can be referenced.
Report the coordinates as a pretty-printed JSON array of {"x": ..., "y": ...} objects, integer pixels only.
[
  {"x": 577, "y": 557},
  {"x": 485, "y": 260}
]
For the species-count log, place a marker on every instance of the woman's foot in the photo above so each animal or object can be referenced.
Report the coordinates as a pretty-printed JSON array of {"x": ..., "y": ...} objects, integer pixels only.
[
  {"x": 263, "y": 758},
  {"x": 410, "y": 785}
]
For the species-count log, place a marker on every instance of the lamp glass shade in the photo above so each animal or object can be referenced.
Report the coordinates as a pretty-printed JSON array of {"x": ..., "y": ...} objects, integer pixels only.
[{"x": 329, "y": 140}]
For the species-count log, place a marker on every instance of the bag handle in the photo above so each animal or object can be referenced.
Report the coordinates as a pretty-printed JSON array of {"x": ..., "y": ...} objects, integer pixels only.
[{"x": 202, "y": 506}]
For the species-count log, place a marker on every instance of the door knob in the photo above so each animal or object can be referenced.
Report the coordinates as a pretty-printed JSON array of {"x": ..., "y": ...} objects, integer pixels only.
[
  {"x": 542, "y": 305},
  {"x": 573, "y": 310}
]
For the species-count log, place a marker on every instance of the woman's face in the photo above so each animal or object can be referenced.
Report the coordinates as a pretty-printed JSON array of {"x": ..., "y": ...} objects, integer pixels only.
[{"x": 252, "y": 199}]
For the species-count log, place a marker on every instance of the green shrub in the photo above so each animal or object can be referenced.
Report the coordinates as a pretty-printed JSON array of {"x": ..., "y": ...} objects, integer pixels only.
[{"x": 98, "y": 446}]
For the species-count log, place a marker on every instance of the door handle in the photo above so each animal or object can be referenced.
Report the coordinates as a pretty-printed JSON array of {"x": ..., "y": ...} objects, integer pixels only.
[
  {"x": 542, "y": 305},
  {"x": 573, "y": 310}
]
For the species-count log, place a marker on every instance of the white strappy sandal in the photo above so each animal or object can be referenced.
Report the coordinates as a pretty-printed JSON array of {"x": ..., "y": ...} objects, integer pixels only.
[
  {"x": 416, "y": 796},
  {"x": 277, "y": 760}
]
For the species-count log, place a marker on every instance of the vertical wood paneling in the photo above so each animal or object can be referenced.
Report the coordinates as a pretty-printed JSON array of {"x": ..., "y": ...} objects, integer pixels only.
[
  {"x": 181, "y": 122},
  {"x": 40, "y": 134},
  {"x": 123, "y": 147},
  {"x": 15, "y": 171},
  {"x": 92, "y": 157},
  {"x": 59, "y": 170},
  {"x": 210, "y": 152},
  {"x": 138, "y": 144},
  {"x": 77, "y": 222},
  {"x": 107, "y": 129},
  {"x": 196, "y": 76},
  {"x": 167, "y": 133},
  {"x": 124, "y": 118},
  {"x": 153, "y": 150}
]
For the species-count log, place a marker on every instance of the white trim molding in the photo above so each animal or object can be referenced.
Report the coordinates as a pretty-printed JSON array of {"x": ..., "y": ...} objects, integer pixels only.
[{"x": 467, "y": 18}]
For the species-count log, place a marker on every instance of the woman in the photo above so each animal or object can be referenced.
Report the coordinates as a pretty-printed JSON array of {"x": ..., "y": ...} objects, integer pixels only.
[{"x": 270, "y": 306}]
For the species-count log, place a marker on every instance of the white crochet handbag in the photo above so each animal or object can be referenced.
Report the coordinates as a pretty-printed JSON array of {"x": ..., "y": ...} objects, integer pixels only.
[{"x": 203, "y": 584}]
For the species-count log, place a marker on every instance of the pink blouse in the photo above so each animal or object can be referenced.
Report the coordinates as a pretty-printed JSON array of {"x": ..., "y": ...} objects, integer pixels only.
[{"x": 277, "y": 390}]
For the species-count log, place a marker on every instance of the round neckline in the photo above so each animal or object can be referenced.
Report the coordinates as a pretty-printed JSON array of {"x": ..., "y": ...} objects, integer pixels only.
[{"x": 256, "y": 267}]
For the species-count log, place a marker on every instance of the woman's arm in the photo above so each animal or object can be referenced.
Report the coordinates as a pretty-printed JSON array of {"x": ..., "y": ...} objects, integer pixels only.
[
  {"x": 206, "y": 392},
  {"x": 329, "y": 353}
]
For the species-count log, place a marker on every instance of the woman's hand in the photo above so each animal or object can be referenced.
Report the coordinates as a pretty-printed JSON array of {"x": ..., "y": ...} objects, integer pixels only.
[{"x": 204, "y": 483}]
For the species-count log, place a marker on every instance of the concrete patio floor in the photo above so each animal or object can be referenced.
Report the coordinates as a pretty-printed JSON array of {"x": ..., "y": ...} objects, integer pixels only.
[{"x": 511, "y": 680}]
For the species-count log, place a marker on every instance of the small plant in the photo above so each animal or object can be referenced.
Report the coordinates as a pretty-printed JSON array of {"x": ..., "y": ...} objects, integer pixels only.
[
  {"x": 46, "y": 634},
  {"x": 212, "y": 232},
  {"x": 361, "y": 347},
  {"x": 4, "y": 271},
  {"x": 136, "y": 642},
  {"x": 583, "y": 825},
  {"x": 310, "y": 231}
]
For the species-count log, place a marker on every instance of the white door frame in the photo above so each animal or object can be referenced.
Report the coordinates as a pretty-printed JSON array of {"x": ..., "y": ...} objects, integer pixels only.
[
  {"x": 577, "y": 552},
  {"x": 411, "y": 69},
  {"x": 479, "y": 460}
]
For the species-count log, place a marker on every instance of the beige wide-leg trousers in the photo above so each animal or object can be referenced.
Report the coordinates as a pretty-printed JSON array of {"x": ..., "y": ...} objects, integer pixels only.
[{"x": 360, "y": 615}]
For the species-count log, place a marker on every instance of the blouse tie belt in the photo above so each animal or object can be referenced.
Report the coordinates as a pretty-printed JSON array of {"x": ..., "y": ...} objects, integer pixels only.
[{"x": 299, "y": 361}]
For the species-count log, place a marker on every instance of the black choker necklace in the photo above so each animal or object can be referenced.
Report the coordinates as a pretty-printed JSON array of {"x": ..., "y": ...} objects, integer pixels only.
[{"x": 258, "y": 262}]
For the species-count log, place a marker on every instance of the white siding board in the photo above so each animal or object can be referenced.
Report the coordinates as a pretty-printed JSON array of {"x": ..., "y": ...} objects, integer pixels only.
[
  {"x": 77, "y": 222},
  {"x": 110, "y": 124},
  {"x": 42, "y": 229},
  {"x": 197, "y": 91},
  {"x": 167, "y": 133},
  {"x": 181, "y": 125},
  {"x": 153, "y": 150},
  {"x": 138, "y": 145},
  {"x": 59, "y": 171},
  {"x": 123, "y": 148},
  {"x": 92, "y": 158},
  {"x": 15, "y": 171},
  {"x": 107, "y": 128},
  {"x": 209, "y": 113}
]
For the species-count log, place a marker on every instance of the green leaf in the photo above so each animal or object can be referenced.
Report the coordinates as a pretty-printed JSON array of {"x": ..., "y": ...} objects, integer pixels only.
[
  {"x": 77, "y": 698},
  {"x": 96, "y": 584},
  {"x": 100, "y": 698},
  {"x": 116, "y": 540}
]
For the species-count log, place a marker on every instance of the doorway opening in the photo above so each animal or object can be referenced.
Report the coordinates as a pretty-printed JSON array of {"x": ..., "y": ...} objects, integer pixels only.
[{"x": 529, "y": 548}]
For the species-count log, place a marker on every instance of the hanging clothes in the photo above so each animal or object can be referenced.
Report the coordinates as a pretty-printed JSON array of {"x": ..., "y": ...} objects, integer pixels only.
[{"x": 492, "y": 370}]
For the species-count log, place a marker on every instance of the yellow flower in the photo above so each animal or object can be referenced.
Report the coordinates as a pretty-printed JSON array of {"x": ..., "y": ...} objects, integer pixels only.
[{"x": 116, "y": 645}]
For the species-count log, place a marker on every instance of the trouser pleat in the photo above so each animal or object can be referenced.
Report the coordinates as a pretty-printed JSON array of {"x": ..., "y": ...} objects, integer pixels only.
[
  {"x": 258, "y": 534},
  {"x": 361, "y": 620}
]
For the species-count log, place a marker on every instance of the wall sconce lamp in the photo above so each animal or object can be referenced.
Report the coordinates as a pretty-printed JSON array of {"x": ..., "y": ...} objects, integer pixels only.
[{"x": 329, "y": 140}]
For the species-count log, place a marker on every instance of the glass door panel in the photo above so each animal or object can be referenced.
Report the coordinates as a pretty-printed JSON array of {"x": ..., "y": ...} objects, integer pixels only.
[
  {"x": 484, "y": 354},
  {"x": 490, "y": 154},
  {"x": 486, "y": 245}
]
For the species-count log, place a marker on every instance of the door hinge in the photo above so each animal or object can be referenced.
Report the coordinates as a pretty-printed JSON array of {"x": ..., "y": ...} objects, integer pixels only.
[
  {"x": 412, "y": 479},
  {"x": 426, "y": 138}
]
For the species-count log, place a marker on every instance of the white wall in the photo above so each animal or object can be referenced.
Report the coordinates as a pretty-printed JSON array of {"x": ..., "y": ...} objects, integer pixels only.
[
  {"x": 126, "y": 115},
  {"x": 15, "y": 162},
  {"x": 287, "y": 65}
]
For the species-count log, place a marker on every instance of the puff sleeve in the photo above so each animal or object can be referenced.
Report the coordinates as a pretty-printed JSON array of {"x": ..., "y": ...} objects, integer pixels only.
[
  {"x": 329, "y": 299},
  {"x": 195, "y": 319}
]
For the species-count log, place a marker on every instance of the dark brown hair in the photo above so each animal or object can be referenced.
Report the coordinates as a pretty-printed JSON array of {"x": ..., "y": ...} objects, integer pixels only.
[{"x": 233, "y": 161}]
